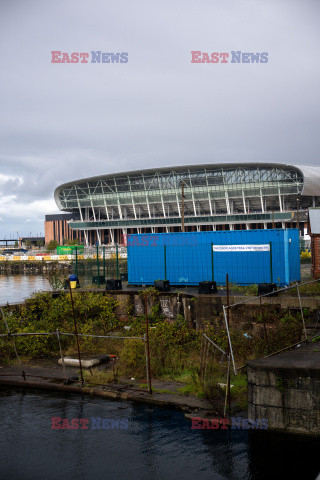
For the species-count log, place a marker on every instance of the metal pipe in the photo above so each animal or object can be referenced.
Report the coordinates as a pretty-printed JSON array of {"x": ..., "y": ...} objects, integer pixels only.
[
  {"x": 222, "y": 351},
  {"x": 229, "y": 340}
]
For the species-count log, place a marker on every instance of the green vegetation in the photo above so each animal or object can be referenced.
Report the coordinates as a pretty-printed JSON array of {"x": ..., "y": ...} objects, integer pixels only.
[
  {"x": 250, "y": 290},
  {"x": 279, "y": 384},
  {"x": 176, "y": 350},
  {"x": 52, "y": 245}
]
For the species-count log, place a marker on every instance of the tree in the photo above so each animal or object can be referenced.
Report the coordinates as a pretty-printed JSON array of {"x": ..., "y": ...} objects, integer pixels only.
[
  {"x": 52, "y": 245},
  {"x": 71, "y": 242},
  {"x": 40, "y": 243}
]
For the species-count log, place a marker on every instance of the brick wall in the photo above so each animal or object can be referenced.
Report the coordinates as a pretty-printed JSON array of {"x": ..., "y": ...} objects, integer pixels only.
[{"x": 315, "y": 256}]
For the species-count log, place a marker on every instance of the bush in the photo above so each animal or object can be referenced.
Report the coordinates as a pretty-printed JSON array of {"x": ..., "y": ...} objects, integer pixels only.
[{"x": 133, "y": 359}]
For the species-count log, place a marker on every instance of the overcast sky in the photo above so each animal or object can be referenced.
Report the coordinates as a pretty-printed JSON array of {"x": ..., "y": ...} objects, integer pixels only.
[{"x": 65, "y": 121}]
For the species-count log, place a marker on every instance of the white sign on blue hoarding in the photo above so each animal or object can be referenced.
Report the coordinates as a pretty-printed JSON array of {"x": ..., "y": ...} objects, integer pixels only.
[{"x": 241, "y": 248}]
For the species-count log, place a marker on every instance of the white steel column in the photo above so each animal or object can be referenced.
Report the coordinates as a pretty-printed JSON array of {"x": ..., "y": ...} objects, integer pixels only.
[
  {"x": 280, "y": 203},
  {"x": 244, "y": 202},
  {"x": 194, "y": 204},
  {"x": 210, "y": 206},
  {"x": 161, "y": 196}
]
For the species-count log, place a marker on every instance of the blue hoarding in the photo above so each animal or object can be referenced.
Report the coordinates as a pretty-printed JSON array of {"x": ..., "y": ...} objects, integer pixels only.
[{"x": 248, "y": 256}]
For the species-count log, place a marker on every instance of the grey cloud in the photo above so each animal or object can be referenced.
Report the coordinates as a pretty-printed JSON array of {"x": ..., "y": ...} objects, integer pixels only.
[{"x": 62, "y": 122}]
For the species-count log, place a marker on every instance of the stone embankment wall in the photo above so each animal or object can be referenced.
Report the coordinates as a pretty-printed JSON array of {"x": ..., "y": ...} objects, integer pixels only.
[
  {"x": 197, "y": 310},
  {"x": 288, "y": 395},
  {"x": 34, "y": 267},
  {"x": 200, "y": 309}
]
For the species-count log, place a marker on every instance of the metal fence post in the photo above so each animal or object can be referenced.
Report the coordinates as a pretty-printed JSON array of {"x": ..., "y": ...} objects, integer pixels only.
[
  {"x": 212, "y": 269},
  {"x": 302, "y": 316},
  {"x": 271, "y": 268},
  {"x": 61, "y": 355},
  {"x": 98, "y": 272},
  {"x": 76, "y": 262},
  {"x": 117, "y": 261}
]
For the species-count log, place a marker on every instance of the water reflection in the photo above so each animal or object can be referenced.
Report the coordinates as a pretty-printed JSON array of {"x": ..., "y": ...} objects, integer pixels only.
[{"x": 17, "y": 287}]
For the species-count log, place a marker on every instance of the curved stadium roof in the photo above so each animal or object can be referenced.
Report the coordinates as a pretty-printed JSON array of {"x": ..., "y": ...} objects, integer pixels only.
[{"x": 308, "y": 176}]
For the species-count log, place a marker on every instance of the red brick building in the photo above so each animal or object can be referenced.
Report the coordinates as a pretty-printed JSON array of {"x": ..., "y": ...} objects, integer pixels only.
[
  {"x": 56, "y": 228},
  {"x": 314, "y": 232}
]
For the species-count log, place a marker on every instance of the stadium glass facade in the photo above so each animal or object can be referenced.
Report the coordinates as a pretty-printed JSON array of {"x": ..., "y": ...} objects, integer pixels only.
[{"x": 216, "y": 197}]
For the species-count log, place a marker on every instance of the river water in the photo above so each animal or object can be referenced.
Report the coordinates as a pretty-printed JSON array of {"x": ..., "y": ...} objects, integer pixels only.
[
  {"x": 17, "y": 287},
  {"x": 158, "y": 444}
]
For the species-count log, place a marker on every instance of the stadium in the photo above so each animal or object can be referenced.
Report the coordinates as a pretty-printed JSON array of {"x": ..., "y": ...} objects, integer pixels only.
[{"x": 209, "y": 197}]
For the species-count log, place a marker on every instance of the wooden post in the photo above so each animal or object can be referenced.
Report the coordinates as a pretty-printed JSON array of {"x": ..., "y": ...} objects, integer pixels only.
[
  {"x": 147, "y": 344},
  {"x": 76, "y": 332}
]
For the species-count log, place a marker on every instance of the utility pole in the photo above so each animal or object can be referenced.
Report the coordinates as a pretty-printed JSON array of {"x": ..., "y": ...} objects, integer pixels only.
[{"x": 182, "y": 207}]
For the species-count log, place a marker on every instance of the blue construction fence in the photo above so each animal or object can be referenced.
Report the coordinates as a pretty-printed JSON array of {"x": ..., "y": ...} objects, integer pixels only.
[{"x": 248, "y": 256}]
